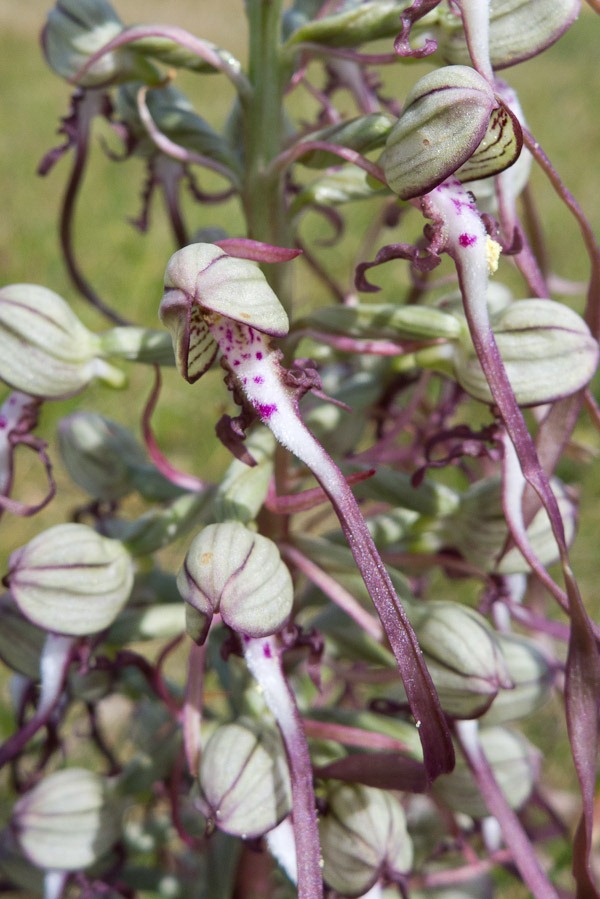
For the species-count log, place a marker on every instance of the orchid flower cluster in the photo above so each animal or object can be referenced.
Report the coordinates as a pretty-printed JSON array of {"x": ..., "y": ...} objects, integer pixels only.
[{"x": 310, "y": 677}]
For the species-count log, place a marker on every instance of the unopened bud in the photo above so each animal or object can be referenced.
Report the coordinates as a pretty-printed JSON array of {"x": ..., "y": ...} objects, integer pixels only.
[
  {"x": 45, "y": 350},
  {"x": 67, "y": 821},
  {"x": 232, "y": 570},
  {"x": 518, "y": 30},
  {"x": 444, "y": 120},
  {"x": 547, "y": 350},
  {"x": 244, "y": 781},
  {"x": 363, "y": 836},
  {"x": 71, "y": 580}
]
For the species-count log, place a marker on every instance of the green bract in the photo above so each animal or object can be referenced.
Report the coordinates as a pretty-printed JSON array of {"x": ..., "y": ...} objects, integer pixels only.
[
  {"x": 531, "y": 677},
  {"x": 67, "y": 821},
  {"x": 361, "y": 134},
  {"x": 363, "y": 836},
  {"x": 99, "y": 453},
  {"x": 70, "y": 580},
  {"x": 358, "y": 23},
  {"x": 515, "y": 764},
  {"x": 76, "y": 29},
  {"x": 44, "y": 349},
  {"x": 480, "y": 533},
  {"x": 106, "y": 461},
  {"x": 463, "y": 656},
  {"x": 244, "y": 781},
  {"x": 175, "y": 117},
  {"x": 243, "y": 489},
  {"x": 234, "y": 571}
]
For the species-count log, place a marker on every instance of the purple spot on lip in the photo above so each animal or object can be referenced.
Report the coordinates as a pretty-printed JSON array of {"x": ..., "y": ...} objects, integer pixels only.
[
  {"x": 467, "y": 240},
  {"x": 259, "y": 379},
  {"x": 2, "y": 421},
  {"x": 259, "y": 355},
  {"x": 267, "y": 651},
  {"x": 266, "y": 410}
]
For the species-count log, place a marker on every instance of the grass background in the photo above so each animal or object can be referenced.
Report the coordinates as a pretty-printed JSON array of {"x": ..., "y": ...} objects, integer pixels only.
[{"x": 560, "y": 93}]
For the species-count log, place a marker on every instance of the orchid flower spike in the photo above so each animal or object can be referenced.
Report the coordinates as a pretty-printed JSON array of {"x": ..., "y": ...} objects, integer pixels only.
[{"x": 214, "y": 301}]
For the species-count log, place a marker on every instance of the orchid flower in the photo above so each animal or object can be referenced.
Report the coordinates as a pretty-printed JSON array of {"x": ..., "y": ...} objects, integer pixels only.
[{"x": 215, "y": 302}]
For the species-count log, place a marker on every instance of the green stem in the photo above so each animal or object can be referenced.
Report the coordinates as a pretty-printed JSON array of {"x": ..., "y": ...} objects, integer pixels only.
[{"x": 262, "y": 189}]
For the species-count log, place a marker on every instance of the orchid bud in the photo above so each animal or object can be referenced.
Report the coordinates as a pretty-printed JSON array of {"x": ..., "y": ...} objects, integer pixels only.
[
  {"x": 445, "y": 118},
  {"x": 106, "y": 461},
  {"x": 547, "y": 350},
  {"x": 463, "y": 656},
  {"x": 203, "y": 283},
  {"x": 479, "y": 530},
  {"x": 70, "y": 580},
  {"x": 531, "y": 677},
  {"x": 514, "y": 761},
  {"x": 243, "y": 489},
  {"x": 244, "y": 781},
  {"x": 67, "y": 821},
  {"x": 232, "y": 570},
  {"x": 45, "y": 350},
  {"x": 517, "y": 30},
  {"x": 363, "y": 837},
  {"x": 75, "y": 30}
]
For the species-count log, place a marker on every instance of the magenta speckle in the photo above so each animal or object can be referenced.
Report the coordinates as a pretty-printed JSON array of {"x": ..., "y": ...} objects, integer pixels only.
[
  {"x": 267, "y": 651},
  {"x": 236, "y": 362},
  {"x": 259, "y": 355},
  {"x": 2, "y": 421},
  {"x": 266, "y": 410},
  {"x": 467, "y": 240}
]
